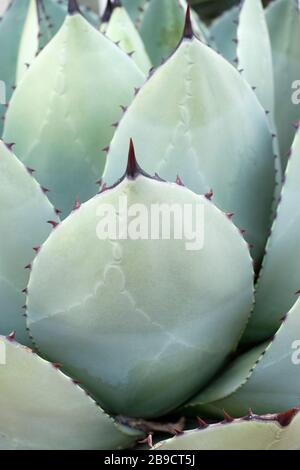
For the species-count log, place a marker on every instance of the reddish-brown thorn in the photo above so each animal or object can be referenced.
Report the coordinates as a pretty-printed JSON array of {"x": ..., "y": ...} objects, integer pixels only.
[
  {"x": 53, "y": 223},
  {"x": 209, "y": 195},
  {"x": 201, "y": 423},
  {"x": 11, "y": 336}
]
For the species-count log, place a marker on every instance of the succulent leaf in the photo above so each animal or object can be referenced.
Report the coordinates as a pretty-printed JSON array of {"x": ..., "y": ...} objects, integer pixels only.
[
  {"x": 120, "y": 29},
  {"x": 269, "y": 386},
  {"x": 93, "y": 5},
  {"x": 224, "y": 31},
  {"x": 271, "y": 432},
  {"x": 61, "y": 415},
  {"x": 29, "y": 43},
  {"x": 257, "y": 68},
  {"x": 135, "y": 341},
  {"x": 280, "y": 274},
  {"x": 43, "y": 20},
  {"x": 75, "y": 104},
  {"x": 135, "y": 8},
  {"x": 24, "y": 211},
  {"x": 51, "y": 14},
  {"x": 11, "y": 26},
  {"x": 190, "y": 130},
  {"x": 53, "y": 9},
  {"x": 283, "y": 20},
  {"x": 161, "y": 28}
]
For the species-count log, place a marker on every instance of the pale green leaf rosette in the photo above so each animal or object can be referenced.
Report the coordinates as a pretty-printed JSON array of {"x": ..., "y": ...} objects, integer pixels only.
[{"x": 98, "y": 305}]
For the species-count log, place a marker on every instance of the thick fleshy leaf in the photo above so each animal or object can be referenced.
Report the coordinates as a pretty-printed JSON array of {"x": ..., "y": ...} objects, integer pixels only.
[
  {"x": 53, "y": 10},
  {"x": 253, "y": 35},
  {"x": 271, "y": 432},
  {"x": 135, "y": 8},
  {"x": 92, "y": 4},
  {"x": 283, "y": 19},
  {"x": 120, "y": 29},
  {"x": 270, "y": 385},
  {"x": 205, "y": 32},
  {"x": 223, "y": 31},
  {"x": 190, "y": 130},
  {"x": 11, "y": 27},
  {"x": 161, "y": 28},
  {"x": 24, "y": 212},
  {"x": 280, "y": 276},
  {"x": 29, "y": 43},
  {"x": 42, "y": 409},
  {"x": 110, "y": 322},
  {"x": 43, "y": 20},
  {"x": 51, "y": 14},
  {"x": 92, "y": 17},
  {"x": 257, "y": 69},
  {"x": 76, "y": 102}
]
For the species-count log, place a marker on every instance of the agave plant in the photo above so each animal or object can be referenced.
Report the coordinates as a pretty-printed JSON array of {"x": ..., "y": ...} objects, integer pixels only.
[{"x": 107, "y": 341}]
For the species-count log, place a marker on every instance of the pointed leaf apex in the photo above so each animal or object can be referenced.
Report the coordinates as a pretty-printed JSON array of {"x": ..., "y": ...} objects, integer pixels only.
[
  {"x": 133, "y": 168},
  {"x": 188, "y": 32},
  {"x": 107, "y": 12},
  {"x": 73, "y": 7},
  {"x": 110, "y": 6}
]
